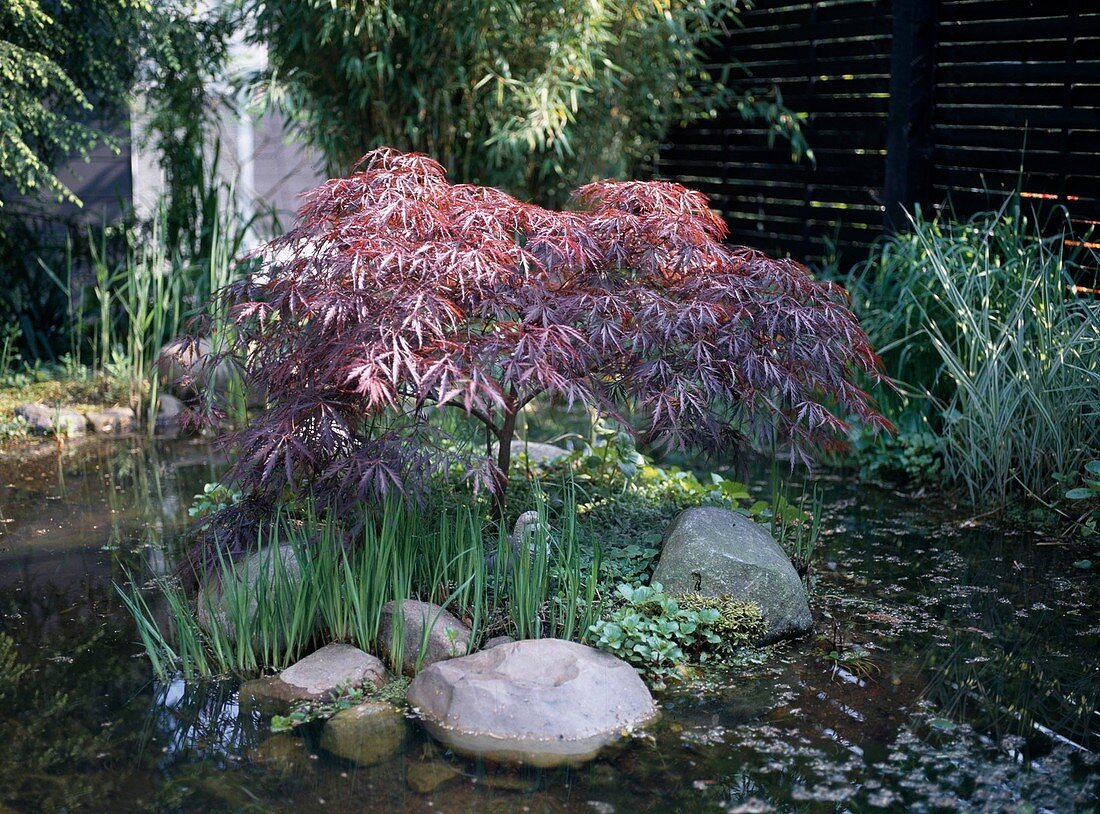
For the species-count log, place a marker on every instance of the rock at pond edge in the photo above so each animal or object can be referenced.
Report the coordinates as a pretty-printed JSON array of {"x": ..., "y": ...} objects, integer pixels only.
[
  {"x": 319, "y": 676},
  {"x": 541, "y": 702},
  {"x": 368, "y": 734},
  {"x": 717, "y": 552}
]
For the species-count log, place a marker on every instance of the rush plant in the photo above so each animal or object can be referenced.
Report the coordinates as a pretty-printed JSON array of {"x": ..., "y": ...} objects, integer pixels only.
[{"x": 398, "y": 295}]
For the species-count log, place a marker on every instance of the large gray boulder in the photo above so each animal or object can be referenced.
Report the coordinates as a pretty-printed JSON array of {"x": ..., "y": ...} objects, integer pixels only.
[
  {"x": 447, "y": 637},
  {"x": 49, "y": 420},
  {"x": 319, "y": 676},
  {"x": 542, "y": 702},
  {"x": 716, "y": 552}
]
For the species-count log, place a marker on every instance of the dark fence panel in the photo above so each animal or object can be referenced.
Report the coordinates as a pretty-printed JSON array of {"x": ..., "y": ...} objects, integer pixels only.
[{"x": 908, "y": 102}]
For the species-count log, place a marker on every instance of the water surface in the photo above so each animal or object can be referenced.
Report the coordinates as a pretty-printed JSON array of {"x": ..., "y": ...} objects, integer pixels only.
[{"x": 955, "y": 666}]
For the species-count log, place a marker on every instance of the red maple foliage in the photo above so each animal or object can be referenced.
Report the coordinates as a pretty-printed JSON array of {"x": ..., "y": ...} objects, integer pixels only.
[{"x": 397, "y": 294}]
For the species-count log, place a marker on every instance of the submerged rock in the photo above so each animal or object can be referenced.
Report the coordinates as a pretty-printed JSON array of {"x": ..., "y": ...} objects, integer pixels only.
[
  {"x": 283, "y": 754},
  {"x": 318, "y": 676},
  {"x": 424, "y": 778},
  {"x": 447, "y": 637},
  {"x": 47, "y": 420},
  {"x": 716, "y": 552},
  {"x": 542, "y": 702},
  {"x": 113, "y": 421},
  {"x": 367, "y": 734}
]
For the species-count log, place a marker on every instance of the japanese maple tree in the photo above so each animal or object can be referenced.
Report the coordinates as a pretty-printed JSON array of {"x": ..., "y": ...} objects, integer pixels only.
[{"x": 397, "y": 295}]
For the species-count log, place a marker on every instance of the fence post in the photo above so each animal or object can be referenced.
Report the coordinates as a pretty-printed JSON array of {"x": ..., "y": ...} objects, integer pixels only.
[{"x": 909, "y": 122}]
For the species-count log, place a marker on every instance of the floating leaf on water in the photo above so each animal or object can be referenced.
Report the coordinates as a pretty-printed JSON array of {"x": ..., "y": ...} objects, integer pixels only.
[{"x": 1083, "y": 564}]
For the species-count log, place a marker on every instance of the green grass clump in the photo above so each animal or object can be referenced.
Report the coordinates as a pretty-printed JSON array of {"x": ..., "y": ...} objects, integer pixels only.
[
  {"x": 998, "y": 355},
  {"x": 266, "y": 611}
]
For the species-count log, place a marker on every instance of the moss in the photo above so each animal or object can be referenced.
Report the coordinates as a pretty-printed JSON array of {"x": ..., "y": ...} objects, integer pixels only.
[
  {"x": 740, "y": 622},
  {"x": 82, "y": 393}
]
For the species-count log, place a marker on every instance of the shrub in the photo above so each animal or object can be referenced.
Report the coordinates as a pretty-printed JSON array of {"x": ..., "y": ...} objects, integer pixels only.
[{"x": 398, "y": 295}]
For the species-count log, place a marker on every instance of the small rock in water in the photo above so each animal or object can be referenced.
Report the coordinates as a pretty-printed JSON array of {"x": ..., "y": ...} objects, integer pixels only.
[
  {"x": 368, "y": 734},
  {"x": 424, "y": 778},
  {"x": 318, "y": 676},
  {"x": 113, "y": 421},
  {"x": 47, "y": 420},
  {"x": 447, "y": 638},
  {"x": 542, "y": 702},
  {"x": 716, "y": 552},
  {"x": 169, "y": 409},
  {"x": 283, "y": 754}
]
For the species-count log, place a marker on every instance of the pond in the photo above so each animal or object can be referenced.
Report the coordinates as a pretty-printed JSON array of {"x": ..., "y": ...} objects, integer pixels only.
[{"x": 955, "y": 665}]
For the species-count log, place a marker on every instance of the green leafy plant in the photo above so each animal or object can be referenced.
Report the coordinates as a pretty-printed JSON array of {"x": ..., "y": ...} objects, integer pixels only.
[
  {"x": 652, "y": 632},
  {"x": 1088, "y": 496},
  {"x": 739, "y": 623},
  {"x": 532, "y": 97},
  {"x": 214, "y": 498}
]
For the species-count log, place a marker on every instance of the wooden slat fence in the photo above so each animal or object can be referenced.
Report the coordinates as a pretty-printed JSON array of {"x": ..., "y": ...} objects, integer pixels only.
[{"x": 909, "y": 102}]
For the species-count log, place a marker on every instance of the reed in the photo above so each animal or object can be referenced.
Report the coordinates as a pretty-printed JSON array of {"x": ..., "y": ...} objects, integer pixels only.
[
  {"x": 996, "y": 350},
  {"x": 309, "y": 584}
]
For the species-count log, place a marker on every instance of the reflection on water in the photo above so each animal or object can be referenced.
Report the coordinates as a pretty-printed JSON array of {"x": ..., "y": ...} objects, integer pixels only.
[{"x": 956, "y": 667}]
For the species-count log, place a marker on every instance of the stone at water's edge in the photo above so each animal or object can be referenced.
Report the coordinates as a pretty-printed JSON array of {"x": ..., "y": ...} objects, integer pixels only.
[
  {"x": 368, "y": 734},
  {"x": 189, "y": 368},
  {"x": 169, "y": 412},
  {"x": 424, "y": 778},
  {"x": 318, "y": 676},
  {"x": 46, "y": 420},
  {"x": 717, "y": 552},
  {"x": 113, "y": 421},
  {"x": 447, "y": 638},
  {"x": 542, "y": 702}
]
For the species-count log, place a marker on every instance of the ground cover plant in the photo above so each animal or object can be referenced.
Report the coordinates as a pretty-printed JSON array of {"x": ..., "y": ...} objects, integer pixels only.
[{"x": 399, "y": 295}]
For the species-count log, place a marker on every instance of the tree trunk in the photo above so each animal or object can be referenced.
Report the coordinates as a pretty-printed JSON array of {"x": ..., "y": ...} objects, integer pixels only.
[{"x": 504, "y": 460}]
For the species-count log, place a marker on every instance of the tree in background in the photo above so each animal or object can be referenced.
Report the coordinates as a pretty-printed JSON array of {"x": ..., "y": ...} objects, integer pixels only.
[
  {"x": 533, "y": 97},
  {"x": 61, "y": 63},
  {"x": 69, "y": 70}
]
